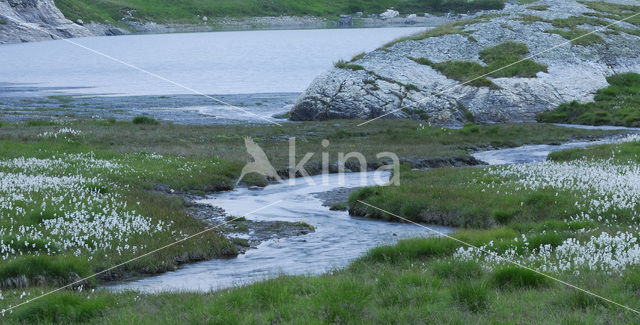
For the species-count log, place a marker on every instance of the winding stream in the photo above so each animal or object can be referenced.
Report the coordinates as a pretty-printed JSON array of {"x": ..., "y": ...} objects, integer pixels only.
[{"x": 338, "y": 238}]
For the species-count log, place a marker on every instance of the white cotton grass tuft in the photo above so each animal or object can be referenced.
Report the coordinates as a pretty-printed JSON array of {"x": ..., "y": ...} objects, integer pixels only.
[
  {"x": 72, "y": 215},
  {"x": 63, "y": 132},
  {"x": 602, "y": 186}
]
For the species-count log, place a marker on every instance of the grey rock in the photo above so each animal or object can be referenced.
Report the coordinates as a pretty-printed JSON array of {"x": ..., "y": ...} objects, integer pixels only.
[
  {"x": 345, "y": 21},
  {"x": 79, "y": 22},
  {"x": 574, "y": 73},
  {"x": 35, "y": 20}
]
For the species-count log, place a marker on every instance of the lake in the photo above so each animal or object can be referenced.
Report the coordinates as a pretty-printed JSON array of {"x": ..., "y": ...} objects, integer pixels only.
[{"x": 245, "y": 62}]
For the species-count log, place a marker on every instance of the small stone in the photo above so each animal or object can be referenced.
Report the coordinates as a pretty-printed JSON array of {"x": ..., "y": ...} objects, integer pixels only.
[
  {"x": 79, "y": 22},
  {"x": 205, "y": 19}
]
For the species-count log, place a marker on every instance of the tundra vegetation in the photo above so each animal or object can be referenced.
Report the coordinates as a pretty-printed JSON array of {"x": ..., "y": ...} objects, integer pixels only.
[
  {"x": 79, "y": 197},
  {"x": 573, "y": 217}
]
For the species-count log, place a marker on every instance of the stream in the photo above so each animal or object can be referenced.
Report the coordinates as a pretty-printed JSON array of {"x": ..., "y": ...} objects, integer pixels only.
[{"x": 338, "y": 239}]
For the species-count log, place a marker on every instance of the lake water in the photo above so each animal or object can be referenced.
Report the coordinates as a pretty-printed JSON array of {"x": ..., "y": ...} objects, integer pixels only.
[{"x": 247, "y": 62}]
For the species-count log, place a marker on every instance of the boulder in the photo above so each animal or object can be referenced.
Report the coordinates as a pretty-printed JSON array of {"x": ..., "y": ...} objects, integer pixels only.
[
  {"x": 36, "y": 20},
  {"x": 390, "y": 13},
  {"x": 345, "y": 21},
  {"x": 390, "y": 83}
]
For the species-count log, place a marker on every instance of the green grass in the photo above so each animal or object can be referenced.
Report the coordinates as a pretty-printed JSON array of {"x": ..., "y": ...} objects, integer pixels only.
[
  {"x": 614, "y": 11},
  {"x": 620, "y": 153},
  {"x": 226, "y": 142},
  {"x": 187, "y": 11},
  {"x": 569, "y": 29},
  {"x": 200, "y": 147},
  {"x": 442, "y": 30},
  {"x": 538, "y": 7},
  {"x": 144, "y": 120},
  {"x": 515, "y": 277},
  {"x": 3, "y": 22},
  {"x": 412, "y": 281},
  {"x": 577, "y": 36},
  {"x": 499, "y": 61},
  {"x": 346, "y": 65},
  {"x": 617, "y": 104}
]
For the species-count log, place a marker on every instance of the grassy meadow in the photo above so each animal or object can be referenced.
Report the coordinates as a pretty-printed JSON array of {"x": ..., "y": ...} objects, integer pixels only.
[
  {"x": 546, "y": 216},
  {"x": 82, "y": 196}
]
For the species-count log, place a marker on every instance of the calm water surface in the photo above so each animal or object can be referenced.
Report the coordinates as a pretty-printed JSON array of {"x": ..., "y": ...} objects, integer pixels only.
[{"x": 246, "y": 62}]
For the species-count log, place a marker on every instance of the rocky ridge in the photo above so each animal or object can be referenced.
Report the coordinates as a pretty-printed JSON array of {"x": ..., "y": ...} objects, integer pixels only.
[
  {"x": 388, "y": 81},
  {"x": 35, "y": 20}
]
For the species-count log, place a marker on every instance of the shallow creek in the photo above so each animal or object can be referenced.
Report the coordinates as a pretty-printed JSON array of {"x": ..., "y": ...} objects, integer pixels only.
[{"x": 338, "y": 238}]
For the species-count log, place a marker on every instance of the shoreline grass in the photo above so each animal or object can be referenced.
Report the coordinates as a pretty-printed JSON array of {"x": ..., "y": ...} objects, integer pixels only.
[{"x": 376, "y": 287}]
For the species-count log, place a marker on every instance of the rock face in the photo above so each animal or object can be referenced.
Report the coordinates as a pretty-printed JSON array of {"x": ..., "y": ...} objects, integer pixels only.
[
  {"x": 387, "y": 81},
  {"x": 35, "y": 20}
]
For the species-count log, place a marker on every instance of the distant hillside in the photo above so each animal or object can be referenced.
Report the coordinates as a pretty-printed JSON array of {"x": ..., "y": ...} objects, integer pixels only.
[{"x": 189, "y": 11}]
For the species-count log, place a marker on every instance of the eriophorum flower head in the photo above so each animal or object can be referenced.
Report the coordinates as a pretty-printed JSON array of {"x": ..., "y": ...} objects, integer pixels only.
[{"x": 45, "y": 208}]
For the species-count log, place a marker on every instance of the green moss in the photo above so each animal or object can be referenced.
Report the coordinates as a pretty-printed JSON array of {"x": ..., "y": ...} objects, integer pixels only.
[
  {"x": 3, "y": 22},
  {"x": 617, "y": 104}
]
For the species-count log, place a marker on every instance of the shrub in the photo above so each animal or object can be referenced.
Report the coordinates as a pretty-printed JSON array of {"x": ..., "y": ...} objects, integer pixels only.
[
  {"x": 518, "y": 277},
  {"x": 144, "y": 120}
]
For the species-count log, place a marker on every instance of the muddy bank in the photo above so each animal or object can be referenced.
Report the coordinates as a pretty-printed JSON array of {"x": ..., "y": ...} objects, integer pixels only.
[{"x": 242, "y": 232}]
